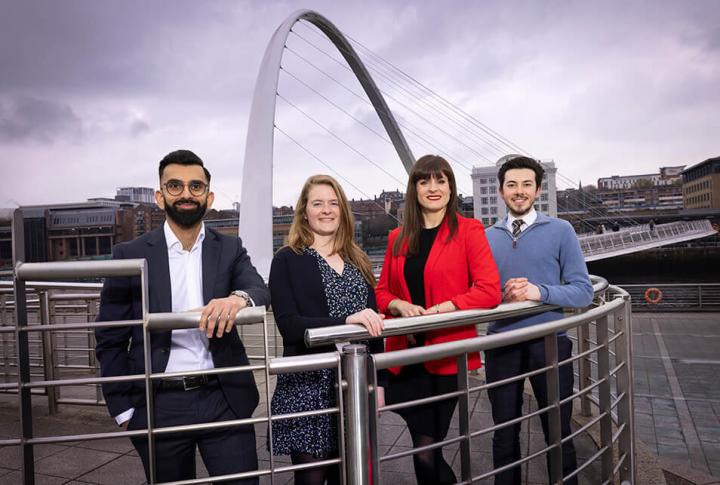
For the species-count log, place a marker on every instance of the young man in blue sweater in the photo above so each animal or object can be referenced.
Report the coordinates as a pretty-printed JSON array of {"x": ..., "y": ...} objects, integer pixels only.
[{"x": 539, "y": 259}]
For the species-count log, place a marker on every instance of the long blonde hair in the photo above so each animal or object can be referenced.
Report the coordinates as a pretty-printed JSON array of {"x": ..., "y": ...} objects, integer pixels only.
[{"x": 301, "y": 236}]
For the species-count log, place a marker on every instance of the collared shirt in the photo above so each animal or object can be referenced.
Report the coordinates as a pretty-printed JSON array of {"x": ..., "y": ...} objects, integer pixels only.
[
  {"x": 189, "y": 348},
  {"x": 528, "y": 220}
]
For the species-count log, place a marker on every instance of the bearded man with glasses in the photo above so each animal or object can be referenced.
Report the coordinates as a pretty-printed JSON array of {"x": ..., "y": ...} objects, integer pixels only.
[{"x": 190, "y": 267}]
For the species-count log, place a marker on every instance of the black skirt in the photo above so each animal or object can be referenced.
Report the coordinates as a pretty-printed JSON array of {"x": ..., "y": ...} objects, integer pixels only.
[{"x": 415, "y": 382}]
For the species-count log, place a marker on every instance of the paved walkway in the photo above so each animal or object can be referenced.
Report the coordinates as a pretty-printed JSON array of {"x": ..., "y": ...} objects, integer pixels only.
[{"x": 677, "y": 389}]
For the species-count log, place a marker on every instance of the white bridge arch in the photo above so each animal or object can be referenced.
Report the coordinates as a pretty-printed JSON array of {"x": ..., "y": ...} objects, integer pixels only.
[{"x": 256, "y": 196}]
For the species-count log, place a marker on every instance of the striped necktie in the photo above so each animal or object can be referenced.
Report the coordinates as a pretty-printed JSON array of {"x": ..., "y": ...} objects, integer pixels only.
[{"x": 517, "y": 223}]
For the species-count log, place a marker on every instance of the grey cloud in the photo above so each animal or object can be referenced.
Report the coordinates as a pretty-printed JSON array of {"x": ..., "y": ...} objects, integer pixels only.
[
  {"x": 139, "y": 127},
  {"x": 27, "y": 118}
]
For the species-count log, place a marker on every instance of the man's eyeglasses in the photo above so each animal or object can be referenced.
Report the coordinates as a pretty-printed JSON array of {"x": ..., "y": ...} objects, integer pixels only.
[{"x": 176, "y": 187}]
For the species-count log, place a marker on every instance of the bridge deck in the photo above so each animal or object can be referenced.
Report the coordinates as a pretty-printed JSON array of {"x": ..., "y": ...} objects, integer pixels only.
[{"x": 640, "y": 238}]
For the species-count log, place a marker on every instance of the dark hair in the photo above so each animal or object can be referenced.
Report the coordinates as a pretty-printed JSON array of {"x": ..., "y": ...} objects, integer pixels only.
[
  {"x": 522, "y": 162},
  {"x": 425, "y": 168},
  {"x": 182, "y": 157}
]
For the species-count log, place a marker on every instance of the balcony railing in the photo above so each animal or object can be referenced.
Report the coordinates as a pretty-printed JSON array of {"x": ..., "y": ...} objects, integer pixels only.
[{"x": 602, "y": 358}]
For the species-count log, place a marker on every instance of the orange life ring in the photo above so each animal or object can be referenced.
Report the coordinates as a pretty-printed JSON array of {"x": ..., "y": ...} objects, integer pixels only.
[{"x": 653, "y": 296}]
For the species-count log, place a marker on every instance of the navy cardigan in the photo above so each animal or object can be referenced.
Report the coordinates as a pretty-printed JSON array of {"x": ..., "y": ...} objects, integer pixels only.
[{"x": 299, "y": 301}]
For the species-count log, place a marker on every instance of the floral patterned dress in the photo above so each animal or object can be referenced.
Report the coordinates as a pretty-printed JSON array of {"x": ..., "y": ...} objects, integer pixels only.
[{"x": 346, "y": 294}]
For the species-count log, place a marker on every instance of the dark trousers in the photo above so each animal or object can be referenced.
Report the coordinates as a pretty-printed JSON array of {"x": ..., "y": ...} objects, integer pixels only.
[
  {"x": 223, "y": 450},
  {"x": 507, "y": 400}
]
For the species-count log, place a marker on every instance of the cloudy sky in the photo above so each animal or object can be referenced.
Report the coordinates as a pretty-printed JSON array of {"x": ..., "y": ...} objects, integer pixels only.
[{"x": 94, "y": 93}]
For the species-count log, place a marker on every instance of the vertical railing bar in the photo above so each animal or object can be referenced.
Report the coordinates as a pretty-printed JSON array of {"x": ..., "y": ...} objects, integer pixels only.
[
  {"x": 700, "y": 287},
  {"x": 622, "y": 386},
  {"x": 22, "y": 354},
  {"x": 584, "y": 367},
  {"x": 464, "y": 416},
  {"x": 553, "y": 414},
  {"x": 342, "y": 445},
  {"x": 374, "y": 422},
  {"x": 49, "y": 370},
  {"x": 89, "y": 338},
  {"x": 267, "y": 400},
  {"x": 354, "y": 363},
  {"x": 603, "y": 368},
  {"x": 22, "y": 350},
  {"x": 629, "y": 368},
  {"x": 149, "y": 389}
]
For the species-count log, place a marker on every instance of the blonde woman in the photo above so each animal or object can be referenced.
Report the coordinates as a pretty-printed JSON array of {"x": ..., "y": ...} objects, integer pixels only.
[{"x": 320, "y": 278}]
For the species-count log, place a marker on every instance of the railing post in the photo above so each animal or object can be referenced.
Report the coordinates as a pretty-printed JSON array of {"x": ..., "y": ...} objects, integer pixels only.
[
  {"x": 624, "y": 386},
  {"x": 700, "y": 296},
  {"x": 48, "y": 366},
  {"x": 604, "y": 399},
  {"x": 354, "y": 367},
  {"x": 584, "y": 367},
  {"x": 464, "y": 417},
  {"x": 553, "y": 414},
  {"x": 22, "y": 351},
  {"x": 374, "y": 418}
]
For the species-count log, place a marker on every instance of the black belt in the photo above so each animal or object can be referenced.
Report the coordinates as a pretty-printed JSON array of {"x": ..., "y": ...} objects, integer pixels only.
[{"x": 187, "y": 383}]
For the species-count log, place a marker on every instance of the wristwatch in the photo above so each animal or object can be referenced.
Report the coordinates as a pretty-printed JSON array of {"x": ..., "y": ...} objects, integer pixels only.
[{"x": 244, "y": 295}]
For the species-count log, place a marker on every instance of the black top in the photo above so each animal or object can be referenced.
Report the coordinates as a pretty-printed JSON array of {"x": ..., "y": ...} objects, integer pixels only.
[
  {"x": 300, "y": 301},
  {"x": 415, "y": 267}
]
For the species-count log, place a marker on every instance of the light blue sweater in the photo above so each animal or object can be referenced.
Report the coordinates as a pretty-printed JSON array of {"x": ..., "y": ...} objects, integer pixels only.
[{"x": 548, "y": 254}]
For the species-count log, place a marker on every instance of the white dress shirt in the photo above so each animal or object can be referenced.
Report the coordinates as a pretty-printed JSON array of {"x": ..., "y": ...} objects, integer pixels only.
[
  {"x": 188, "y": 347},
  {"x": 528, "y": 220}
]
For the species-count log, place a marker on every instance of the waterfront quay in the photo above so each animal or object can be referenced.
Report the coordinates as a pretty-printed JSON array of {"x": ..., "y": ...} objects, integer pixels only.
[{"x": 677, "y": 420}]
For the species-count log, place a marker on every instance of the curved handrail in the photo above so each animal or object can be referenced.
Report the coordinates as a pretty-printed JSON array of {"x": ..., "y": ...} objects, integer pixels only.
[
  {"x": 403, "y": 326},
  {"x": 447, "y": 349}
]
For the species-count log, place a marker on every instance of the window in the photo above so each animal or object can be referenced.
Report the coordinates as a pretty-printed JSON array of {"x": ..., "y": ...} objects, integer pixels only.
[
  {"x": 90, "y": 246},
  {"x": 483, "y": 190},
  {"x": 544, "y": 207},
  {"x": 493, "y": 210},
  {"x": 492, "y": 180},
  {"x": 483, "y": 181},
  {"x": 543, "y": 197},
  {"x": 484, "y": 211},
  {"x": 493, "y": 199},
  {"x": 72, "y": 247},
  {"x": 544, "y": 186},
  {"x": 483, "y": 200}
]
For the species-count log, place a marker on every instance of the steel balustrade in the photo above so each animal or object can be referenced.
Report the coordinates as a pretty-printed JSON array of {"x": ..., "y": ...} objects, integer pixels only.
[{"x": 357, "y": 374}]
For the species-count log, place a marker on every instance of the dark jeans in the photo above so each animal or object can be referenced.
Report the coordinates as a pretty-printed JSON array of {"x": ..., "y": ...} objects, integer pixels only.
[
  {"x": 507, "y": 400},
  {"x": 223, "y": 450}
]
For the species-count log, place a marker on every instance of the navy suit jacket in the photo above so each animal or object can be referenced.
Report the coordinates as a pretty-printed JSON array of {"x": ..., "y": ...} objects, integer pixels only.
[{"x": 226, "y": 267}]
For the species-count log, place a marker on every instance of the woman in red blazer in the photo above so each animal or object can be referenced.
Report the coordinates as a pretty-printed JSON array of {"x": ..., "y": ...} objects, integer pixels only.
[{"x": 436, "y": 262}]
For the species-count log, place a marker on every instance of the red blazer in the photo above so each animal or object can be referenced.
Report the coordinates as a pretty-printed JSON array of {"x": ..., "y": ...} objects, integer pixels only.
[{"x": 461, "y": 270}]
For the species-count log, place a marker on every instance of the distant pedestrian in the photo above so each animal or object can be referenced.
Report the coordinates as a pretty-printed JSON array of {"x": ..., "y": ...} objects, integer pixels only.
[{"x": 652, "y": 225}]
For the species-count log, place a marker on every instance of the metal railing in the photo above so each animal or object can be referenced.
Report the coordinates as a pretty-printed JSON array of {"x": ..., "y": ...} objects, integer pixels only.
[
  {"x": 64, "y": 352},
  {"x": 603, "y": 360},
  {"x": 675, "y": 297},
  {"x": 643, "y": 237}
]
